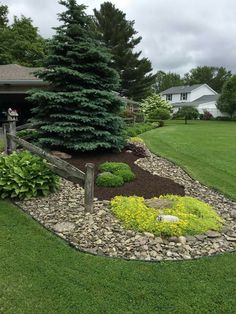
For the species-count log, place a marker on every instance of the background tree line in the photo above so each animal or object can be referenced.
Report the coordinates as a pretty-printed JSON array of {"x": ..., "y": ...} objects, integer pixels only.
[
  {"x": 215, "y": 77},
  {"x": 21, "y": 43}
]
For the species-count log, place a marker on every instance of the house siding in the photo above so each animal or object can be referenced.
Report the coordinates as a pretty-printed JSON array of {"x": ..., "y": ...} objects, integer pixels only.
[
  {"x": 211, "y": 107},
  {"x": 201, "y": 91}
]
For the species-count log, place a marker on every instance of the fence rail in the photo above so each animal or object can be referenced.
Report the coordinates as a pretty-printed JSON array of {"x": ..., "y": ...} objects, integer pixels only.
[{"x": 55, "y": 164}]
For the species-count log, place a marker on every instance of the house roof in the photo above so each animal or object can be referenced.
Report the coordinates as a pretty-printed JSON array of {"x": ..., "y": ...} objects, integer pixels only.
[
  {"x": 181, "y": 89},
  {"x": 206, "y": 98},
  {"x": 15, "y": 72},
  {"x": 201, "y": 100}
]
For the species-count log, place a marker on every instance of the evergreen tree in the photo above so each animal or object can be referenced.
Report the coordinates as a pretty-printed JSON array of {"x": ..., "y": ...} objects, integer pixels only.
[
  {"x": 119, "y": 36},
  {"x": 79, "y": 111}
]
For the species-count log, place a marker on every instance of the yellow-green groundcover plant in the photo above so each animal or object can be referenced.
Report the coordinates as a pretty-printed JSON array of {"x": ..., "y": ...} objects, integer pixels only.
[{"x": 195, "y": 217}]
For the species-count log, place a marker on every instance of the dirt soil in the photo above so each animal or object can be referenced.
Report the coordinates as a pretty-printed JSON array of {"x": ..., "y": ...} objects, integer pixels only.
[{"x": 145, "y": 184}]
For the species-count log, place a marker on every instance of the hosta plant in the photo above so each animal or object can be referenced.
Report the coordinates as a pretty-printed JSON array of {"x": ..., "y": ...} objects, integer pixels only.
[{"x": 23, "y": 176}]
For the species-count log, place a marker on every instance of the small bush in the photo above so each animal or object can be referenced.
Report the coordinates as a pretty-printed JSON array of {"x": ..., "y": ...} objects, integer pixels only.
[
  {"x": 161, "y": 123},
  {"x": 28, "y": 134},
  {"x": 127, "y": 175},
  {"x": 114, "y": 174},
  {"x": 196, "y": 217},
  {"x": 159, "y": 114},
  {"x": 155, "y": 125},
  {"x": 23, "y": 175},
  {"x": 206, "y": 116},
  {"x": 136, "y": 140},
  {"x": 113, "y": 166},
  {"x": 139, "y": 117},
  {"x": 107, "y": 179},
  {"x": 225, "y": 118},
  {"x": 138, "y": 128}
]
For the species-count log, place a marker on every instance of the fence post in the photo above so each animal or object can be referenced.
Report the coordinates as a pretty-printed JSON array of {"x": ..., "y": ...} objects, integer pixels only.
[
  {"x": 89, "y": 187},
  {"x": 5, "y": 130},
  {"x": 12, "y": 117}
]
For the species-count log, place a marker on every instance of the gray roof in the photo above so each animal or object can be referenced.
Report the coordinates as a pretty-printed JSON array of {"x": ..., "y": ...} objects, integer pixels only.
[
  {"x": 180, "y": 89},
  {"x": 15, "y": 72},
  {"x": 206, "y": 98},
  {"x": 184, "y": 104},
  {"x": 201, "y": 100}
]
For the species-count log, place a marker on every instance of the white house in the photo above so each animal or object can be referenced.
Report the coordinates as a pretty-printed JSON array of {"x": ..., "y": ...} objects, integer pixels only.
[{"x": 200, "y": 96}]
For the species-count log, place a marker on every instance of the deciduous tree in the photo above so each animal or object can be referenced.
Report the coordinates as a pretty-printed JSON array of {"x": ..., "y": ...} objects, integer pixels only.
[
  {"x": 167, "y": 80},
  {"x": 215, "y": 77},
  {"x": 227, "y": 100}
]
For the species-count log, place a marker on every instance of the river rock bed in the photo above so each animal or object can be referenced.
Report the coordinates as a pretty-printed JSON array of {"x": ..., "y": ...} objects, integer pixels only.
[{"x": 101, "y": 233}]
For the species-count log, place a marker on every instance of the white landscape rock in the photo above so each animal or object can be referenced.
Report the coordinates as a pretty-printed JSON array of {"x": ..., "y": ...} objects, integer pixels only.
[{"x": 167, "y": 218}]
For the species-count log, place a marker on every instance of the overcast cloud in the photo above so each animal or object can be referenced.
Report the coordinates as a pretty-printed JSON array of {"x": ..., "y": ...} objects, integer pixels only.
[{"x": 177, "y": 35}]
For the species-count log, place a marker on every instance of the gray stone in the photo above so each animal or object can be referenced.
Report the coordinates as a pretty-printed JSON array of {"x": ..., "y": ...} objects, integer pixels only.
[
  {"x": 64, "y": 227},
  {"x": 213, "y": 234},
  {"x": 167, "y": 218},
  {"x": 182, "y": 240},
  {"x": 173, "y": 239},
  {"x": 149, "y": 235},
  {"x": 233, "y": 214},
  {"x": 157, "y": 203},
  {"x": 201, "y": 237},
  {"x": 231, "y": 239},
  {"x": 190, "y": 238}
]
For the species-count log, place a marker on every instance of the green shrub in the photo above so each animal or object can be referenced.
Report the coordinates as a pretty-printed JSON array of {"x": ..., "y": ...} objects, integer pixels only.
[
  {"x": 125, "y": 174},
  {"x": 114, "y": 174},
  {"x": 138, "y": 128},
  {"x": 154, "y": 102},
  {"x": 136, "y": 140},
  {"x": 113, "y": 166},
  {"x": 28, "y": 134},
  {"x": 107, "y": 179},
  {"x": 195, "y": 217},
  {"x": 159, "y": 114},
  {"x": 23, "y": 175}
]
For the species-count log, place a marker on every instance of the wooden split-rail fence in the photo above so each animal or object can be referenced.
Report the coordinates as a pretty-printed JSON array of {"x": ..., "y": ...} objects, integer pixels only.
[{"x": 55, "y": 164}]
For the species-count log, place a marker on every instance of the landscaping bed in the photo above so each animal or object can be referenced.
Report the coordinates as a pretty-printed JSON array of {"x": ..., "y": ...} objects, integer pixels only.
[
  {"x": 101, "y": 233},
  {"x": 145, "y": 184}
]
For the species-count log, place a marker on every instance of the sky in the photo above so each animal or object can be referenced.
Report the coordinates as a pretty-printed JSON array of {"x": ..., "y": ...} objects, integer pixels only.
[{"x": 177, "y": 35}]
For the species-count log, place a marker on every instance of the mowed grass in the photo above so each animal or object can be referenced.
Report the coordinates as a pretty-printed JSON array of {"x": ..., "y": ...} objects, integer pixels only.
[
  {"x": 40, "y": 273},
  {"x": 205, "y": 149}
]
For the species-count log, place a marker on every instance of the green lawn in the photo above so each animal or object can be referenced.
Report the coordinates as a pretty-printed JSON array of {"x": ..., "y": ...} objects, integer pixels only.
[
  {"x": 42, "y": 274},
  {"x": 205, "y": 149}
]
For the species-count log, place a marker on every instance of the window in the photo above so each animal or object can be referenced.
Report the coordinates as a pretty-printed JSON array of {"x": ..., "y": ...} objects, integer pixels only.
[
  {"x": 183, "y": 96},
  {"x": 169, "y": 97}
]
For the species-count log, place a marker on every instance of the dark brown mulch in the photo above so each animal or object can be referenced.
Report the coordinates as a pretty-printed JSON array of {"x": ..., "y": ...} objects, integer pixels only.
[{"x": 145, "y": 184}]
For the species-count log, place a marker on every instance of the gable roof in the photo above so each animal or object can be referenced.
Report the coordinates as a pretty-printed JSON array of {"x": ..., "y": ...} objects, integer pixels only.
[
  {"x": 207, "y": 98},
  {"x": 181, "y": 89},
  {"x": 201, "y": 100},
  {"x": 15, "y": 72}
]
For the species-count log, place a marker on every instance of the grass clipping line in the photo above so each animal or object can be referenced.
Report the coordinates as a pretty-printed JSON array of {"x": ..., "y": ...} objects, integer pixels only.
[{"x": 195, "y": 217}]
